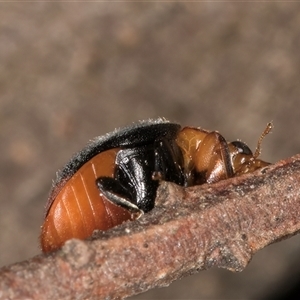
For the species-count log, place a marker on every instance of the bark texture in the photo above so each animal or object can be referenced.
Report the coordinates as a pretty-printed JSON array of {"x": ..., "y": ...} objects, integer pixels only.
[{"x": 221, "y": 225}]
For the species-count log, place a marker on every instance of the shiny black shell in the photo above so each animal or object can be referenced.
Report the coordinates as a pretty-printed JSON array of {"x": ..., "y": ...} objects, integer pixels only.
[{"x": 144, "y": 140}]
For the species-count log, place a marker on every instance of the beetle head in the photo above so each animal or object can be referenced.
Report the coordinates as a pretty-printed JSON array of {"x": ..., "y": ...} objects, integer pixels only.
[{"x": 243, "y": 160}]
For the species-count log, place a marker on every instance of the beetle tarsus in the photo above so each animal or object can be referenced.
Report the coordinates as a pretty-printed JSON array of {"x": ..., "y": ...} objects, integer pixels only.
[{"x": 116, "y": 193}]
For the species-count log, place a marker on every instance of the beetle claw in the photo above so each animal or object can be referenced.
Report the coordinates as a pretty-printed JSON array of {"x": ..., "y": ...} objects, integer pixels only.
[{"x": 116, "y": 193}]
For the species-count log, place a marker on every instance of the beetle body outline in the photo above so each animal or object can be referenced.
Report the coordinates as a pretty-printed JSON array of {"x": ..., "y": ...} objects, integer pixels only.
[{"x": 115, "y": 177}]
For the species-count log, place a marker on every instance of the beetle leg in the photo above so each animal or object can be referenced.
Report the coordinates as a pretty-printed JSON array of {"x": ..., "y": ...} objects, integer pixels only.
[
  {"x": 117, "y": 194},
  {"x": 168, "y": 162},
  {"x": 137, "y": 173},
  {"x": 212, "y": 159},
  {"x": 134, "y": 170}
]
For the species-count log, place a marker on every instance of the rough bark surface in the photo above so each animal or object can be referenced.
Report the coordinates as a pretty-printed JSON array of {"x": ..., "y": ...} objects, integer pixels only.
[{"x": 221, "y": 225}]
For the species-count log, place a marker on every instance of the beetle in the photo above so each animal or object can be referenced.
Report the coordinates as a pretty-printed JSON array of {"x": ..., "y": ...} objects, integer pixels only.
[{"x": 115, "y": 177}]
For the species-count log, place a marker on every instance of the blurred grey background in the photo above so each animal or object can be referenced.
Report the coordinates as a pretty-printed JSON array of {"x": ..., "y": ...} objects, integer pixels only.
[{"x": 72, "y": 71}]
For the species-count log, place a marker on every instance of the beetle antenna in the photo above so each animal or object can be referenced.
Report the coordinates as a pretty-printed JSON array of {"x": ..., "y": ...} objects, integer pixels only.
[{"x": 267, "y": 130}]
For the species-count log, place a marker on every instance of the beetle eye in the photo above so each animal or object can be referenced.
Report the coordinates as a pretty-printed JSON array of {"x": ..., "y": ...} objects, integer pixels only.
[{"x": 242, "y": 148}]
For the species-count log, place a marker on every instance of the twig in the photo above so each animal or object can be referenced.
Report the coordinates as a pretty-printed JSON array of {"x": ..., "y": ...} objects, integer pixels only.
[{"x": 192, "y": 229}]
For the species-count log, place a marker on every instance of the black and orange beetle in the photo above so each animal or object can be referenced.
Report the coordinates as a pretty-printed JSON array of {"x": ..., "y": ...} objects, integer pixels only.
[{"x": 115, "y": 177}]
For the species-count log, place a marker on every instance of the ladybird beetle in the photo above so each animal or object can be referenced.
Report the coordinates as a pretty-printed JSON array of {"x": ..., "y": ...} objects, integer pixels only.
[{"x": 115, "y": 177}]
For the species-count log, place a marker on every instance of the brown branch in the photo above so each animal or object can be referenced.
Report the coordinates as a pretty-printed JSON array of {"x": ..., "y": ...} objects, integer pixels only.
[{"x": 192, "y": 229}]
